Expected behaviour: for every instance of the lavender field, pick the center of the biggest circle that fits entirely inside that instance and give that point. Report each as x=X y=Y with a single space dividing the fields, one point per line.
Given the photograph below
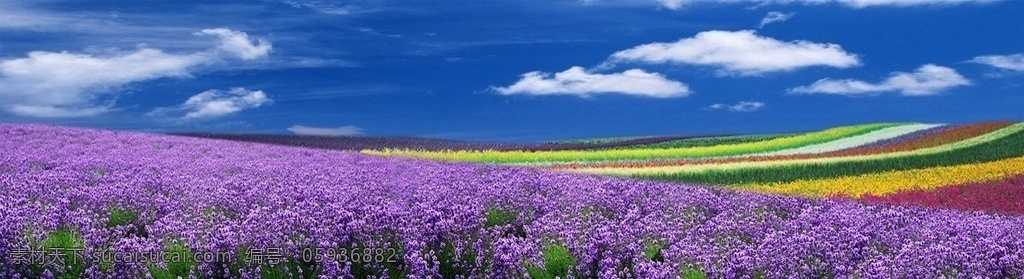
x=526 y=139
x=340 y=214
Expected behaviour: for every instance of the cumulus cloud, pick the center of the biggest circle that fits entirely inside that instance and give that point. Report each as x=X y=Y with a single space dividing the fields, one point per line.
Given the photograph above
x=577 y=81
x=63 y=84
x=1013 y=62
x=314 y=131
x=678 y=4
x=238 y=43
x=929 y=79
x=773 y=17
x=214 y=103
x=744 y=106
x=67 y=84
x=739 y=52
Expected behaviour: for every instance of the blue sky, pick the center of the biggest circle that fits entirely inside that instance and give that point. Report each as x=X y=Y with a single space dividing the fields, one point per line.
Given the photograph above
x=509 y=70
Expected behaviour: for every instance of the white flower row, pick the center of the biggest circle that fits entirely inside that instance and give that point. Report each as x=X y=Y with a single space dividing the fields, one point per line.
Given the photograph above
x=854 y=141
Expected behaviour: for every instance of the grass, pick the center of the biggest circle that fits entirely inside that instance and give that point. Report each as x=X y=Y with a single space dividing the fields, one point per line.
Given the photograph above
x=652 y=251
x=692 y=273
x=558 y=263
x=179 y=260
x=63 y=240
x=499 y=217
x=504 y=219
x=121 y=217
x=456 y=263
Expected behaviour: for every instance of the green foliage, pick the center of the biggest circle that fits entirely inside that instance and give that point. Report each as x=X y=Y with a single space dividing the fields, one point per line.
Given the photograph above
x=558 y=263
x=121 y=217
x=536 y=273
x=453 y=264
x=63 y=240
x=179 y=259
x=692 y=273
x=652 y=251
x=290 y=270
x=499 y=217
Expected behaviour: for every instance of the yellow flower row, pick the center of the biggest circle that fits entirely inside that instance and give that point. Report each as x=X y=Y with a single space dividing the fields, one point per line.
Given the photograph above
x=894 y=181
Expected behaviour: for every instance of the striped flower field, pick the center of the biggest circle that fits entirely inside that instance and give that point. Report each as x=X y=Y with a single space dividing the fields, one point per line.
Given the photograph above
x=890 y=200
x=850 y=161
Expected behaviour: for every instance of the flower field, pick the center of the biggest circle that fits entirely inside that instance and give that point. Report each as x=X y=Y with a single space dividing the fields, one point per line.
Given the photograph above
x=851 y=161
x=995 y=195
x=894 y=200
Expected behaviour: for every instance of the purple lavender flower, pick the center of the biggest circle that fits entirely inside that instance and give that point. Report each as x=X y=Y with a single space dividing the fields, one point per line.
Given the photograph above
x=231 y=198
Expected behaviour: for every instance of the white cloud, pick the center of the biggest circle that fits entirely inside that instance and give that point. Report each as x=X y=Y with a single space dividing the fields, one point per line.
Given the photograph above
x=1013 y=62
x=673 y=4
x=773 y=17
x=577 y=81
x=214 y=103
x=63 y=84
x=67 y=84
x=929 y=79
x=57 y=112
x=740 y=52
x=238 y=43
x=314 y=131
x=744 y=106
